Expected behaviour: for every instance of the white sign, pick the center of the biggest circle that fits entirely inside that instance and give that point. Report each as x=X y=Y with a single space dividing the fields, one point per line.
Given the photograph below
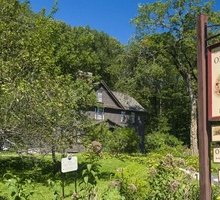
x=69 y=164
x=216 y=153
x=214 y=82
x=215 y=133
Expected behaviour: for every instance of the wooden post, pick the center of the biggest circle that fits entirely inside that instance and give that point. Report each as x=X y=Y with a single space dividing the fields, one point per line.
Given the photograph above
x=204 y=138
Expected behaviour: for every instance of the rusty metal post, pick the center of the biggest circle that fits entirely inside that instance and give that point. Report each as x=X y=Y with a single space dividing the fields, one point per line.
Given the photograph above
x=204 y=148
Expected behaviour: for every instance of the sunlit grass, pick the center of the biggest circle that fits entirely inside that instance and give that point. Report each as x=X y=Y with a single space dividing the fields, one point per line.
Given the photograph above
x=40 y=168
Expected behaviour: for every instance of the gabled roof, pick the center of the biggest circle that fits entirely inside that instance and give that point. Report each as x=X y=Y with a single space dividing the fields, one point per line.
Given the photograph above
x=112 y=95
x=128 y=102
x=124 y=101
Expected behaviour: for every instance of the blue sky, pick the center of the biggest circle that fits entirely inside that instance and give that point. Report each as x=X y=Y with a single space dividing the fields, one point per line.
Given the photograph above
x=111 y=16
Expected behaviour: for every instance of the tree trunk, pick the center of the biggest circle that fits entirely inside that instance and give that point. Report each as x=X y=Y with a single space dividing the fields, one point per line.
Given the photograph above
x=193 y=127
x=53 y=147
x=193 y=118
x=53 y=153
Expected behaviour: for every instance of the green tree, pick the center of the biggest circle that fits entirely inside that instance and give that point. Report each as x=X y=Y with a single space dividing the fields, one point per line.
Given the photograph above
x=109 y=52
x=42 y=96
x=177 y=18
x=81 y=48
x=157 y=85
x=38 y=100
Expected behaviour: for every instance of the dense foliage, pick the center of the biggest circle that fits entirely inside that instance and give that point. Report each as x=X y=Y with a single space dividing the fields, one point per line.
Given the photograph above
x=171 y=27
x=120 y=140
x=41 y=89
x=168 y=182
x=45 y=91
x=153 y=176
x=161 y=141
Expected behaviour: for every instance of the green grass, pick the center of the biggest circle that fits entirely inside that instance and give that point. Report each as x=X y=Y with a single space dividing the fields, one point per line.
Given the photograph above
x=36 y=168
x=40 y=168
x=133 y=169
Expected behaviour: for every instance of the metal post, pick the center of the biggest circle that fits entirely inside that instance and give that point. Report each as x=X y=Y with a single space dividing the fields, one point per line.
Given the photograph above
x=63 y=185
x=204 y=139
x=63 y=177
x=75 y=182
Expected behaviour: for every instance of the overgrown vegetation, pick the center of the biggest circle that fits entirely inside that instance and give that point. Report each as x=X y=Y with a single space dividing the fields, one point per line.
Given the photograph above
x=102 y=176
x=45 y=91
x=159 y=174
x=165 y=171
x=121 y=140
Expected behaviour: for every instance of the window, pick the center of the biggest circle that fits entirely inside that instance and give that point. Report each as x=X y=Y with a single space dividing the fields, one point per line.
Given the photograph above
x=99 y=97
x=139 y=120
x=123 y=117
x=99 y=113
x=132 y=117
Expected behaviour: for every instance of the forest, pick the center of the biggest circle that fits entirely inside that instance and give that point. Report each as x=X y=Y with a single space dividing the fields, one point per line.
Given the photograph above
x=43 y=97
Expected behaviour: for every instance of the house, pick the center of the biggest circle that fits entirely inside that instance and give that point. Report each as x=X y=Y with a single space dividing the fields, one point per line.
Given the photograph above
x=118 y=110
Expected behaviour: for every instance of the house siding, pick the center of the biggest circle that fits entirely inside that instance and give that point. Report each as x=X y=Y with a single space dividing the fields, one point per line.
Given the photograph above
x=107 y=101
x=112 y=104
x=115 y=116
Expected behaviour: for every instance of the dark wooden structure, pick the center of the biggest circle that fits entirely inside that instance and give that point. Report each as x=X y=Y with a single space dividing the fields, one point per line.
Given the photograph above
x=203 y=133
x=118 y=110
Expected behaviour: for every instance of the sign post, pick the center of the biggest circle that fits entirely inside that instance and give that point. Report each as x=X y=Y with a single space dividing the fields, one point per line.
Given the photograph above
x=203 y=136
x=68 y=164
x=214 y=82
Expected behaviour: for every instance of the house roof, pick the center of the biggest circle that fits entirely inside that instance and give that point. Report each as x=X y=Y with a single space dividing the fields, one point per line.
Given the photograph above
x=123 y=100
x=128 y=102
x=112 y=95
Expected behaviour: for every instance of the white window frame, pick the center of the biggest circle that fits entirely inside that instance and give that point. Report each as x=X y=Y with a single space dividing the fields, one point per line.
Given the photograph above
x=99 y=113
x=99 y=96
x=123 y=116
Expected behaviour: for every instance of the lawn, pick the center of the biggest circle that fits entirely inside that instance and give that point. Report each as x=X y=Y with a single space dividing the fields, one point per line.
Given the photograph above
x=109 y=177
x=39 y=169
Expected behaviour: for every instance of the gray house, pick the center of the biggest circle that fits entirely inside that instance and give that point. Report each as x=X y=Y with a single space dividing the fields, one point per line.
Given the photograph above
x=118 y=110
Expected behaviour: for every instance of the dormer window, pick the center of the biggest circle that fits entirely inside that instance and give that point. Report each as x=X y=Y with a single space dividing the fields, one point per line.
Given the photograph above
x=99 y=97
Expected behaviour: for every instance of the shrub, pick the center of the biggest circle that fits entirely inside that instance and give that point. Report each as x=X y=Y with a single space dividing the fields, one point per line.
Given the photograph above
x=3 y=198
x=167 y=181
x=131 y=182
x=215 y=192
x=90 y=174
x=160 y=141
x=98 y=133
x=19 y=187
x=122 y=140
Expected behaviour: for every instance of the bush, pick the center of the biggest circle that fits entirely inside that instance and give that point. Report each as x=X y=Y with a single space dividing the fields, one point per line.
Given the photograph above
x=98 y=133
x=216 y=192
x=160 y=141
x=122 y=140
x=131 y=182
x=19 y=187
x=167 y=181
